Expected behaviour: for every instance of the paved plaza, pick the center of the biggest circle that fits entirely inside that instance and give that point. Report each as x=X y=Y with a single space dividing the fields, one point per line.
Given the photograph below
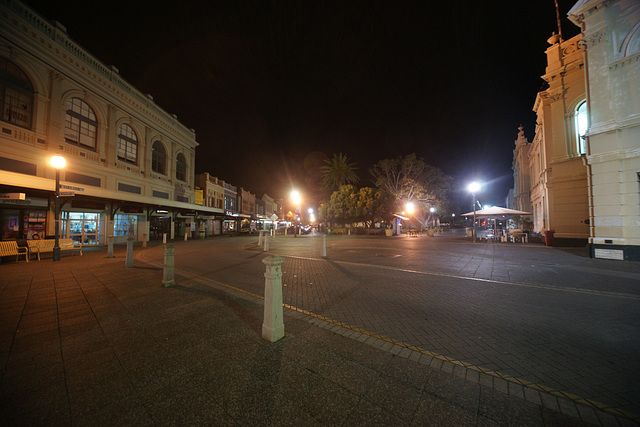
x=383 y=331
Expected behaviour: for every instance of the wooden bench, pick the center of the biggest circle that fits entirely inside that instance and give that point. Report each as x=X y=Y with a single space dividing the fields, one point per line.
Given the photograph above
x=10 y=248
x=42 y=246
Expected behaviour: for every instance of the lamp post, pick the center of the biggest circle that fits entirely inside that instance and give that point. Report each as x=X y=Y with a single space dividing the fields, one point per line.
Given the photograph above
x=297 y=200
x=58 y=162
x=433 y=222
x=473 y=188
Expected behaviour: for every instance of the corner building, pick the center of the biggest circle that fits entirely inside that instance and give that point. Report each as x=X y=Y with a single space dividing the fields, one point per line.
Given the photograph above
x=611 y=34
x=130 y=164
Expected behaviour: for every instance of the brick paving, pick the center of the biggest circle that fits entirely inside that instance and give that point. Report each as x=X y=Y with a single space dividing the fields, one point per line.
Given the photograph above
x=377 y=336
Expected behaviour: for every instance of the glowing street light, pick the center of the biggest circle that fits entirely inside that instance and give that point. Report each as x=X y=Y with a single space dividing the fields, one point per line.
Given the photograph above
x=58 y=162
x=410 y=208
x=296 y=199
x=473 y=188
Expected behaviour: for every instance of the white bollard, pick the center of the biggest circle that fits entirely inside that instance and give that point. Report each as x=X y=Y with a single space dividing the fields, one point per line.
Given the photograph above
x=129 y=262
x=110 y=247
x=266 y=243
x=169 y=263
x=185 y=236
x=324 y=246
x=260 y=238
x=164 y=238
x=273 y=325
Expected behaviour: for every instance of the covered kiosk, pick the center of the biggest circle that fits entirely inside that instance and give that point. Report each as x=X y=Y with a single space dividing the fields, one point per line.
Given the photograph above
x=495 y=213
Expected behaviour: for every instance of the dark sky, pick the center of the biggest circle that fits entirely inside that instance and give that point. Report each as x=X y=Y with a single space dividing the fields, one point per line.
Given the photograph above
x=272 y=87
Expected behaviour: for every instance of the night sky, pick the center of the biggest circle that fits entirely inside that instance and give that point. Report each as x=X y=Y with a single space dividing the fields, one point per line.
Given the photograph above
x=274 y=87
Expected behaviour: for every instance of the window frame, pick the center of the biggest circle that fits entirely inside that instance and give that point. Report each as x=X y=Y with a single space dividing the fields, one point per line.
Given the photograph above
x=159 y=158
x=22 y=88
x=83 y=122
x=181 y=167
x=581 y=118
x=125 y=142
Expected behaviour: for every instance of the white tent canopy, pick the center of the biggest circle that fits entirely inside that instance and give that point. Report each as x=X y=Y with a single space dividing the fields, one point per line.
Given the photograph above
x=496 y=212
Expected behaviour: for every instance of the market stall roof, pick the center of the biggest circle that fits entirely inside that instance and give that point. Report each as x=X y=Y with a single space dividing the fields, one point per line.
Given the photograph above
x=496 y=212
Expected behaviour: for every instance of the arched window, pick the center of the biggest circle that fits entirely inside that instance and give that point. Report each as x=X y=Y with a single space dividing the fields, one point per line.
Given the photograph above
x=127 y=144
x=80 y=125
x=581 y=127
x=16 y=94
x=159 y=158
x=181 y=167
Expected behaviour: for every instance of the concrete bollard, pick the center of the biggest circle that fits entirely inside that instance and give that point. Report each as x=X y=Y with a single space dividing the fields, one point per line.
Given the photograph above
x=110 y=247
x=144 y=240
x=273 y=325
x=185 y=236
x=164 y=238
x=260 y=238
x=266 y=243
x=324 y=246
x=169 y=263
x=129 y=262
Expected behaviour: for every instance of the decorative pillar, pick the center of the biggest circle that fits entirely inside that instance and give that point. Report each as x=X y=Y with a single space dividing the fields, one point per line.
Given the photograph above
x=273 y=326
x=169 y=263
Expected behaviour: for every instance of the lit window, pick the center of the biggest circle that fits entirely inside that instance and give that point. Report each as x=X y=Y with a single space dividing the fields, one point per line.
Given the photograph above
x=80 y=124
x=181 y=168
x=159 y=158
x=127 y=144
x=581 y=127
x=16 y=93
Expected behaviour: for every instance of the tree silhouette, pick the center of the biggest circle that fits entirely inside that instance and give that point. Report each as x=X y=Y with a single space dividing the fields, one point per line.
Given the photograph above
x=337 y=172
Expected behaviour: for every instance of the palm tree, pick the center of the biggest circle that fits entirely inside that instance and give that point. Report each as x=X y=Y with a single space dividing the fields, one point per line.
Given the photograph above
x=337 y=172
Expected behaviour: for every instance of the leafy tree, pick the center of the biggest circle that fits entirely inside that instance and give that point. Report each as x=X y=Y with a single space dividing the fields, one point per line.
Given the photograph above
x=338 y=171
x=349 y=205
x=410 y=179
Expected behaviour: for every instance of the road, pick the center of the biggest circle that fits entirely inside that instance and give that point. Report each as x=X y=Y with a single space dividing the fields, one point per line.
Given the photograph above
x=547 y=316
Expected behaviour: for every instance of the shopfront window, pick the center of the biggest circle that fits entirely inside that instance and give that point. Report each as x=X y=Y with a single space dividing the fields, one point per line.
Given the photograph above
x=10 y=224
x=34 y=224
x=83 y=227
x=124 y=224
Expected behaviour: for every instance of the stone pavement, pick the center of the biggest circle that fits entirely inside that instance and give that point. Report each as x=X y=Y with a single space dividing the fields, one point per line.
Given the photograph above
x=87 y=341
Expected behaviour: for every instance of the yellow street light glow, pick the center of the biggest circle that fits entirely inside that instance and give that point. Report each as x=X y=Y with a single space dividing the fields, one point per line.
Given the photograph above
x=296 y=198
x=58 y=162
x=410 y=208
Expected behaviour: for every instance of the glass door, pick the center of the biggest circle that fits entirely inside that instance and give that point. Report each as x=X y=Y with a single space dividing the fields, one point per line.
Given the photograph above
x=83 y=227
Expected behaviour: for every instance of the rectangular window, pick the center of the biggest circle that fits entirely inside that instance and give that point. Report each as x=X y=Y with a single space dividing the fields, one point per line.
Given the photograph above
x=129 y=188
x=124 y=223
x=160 y=194
x=17 y=108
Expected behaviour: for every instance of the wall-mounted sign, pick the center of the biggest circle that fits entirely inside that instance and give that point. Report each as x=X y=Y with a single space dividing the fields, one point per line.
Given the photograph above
x=132 y=209
x=12 y=196
x=71 y=187
x=199 y=197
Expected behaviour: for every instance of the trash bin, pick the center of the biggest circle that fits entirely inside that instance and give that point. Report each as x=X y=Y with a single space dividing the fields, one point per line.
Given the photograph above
x=548 y=237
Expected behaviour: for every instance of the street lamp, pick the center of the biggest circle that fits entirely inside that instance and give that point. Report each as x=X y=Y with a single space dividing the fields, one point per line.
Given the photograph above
x=297 y=201
x=473 y=188
x=58 y=162
x=433 y=222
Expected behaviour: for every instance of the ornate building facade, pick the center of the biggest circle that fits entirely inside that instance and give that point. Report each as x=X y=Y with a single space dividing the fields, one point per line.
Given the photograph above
x=550 y=178
x=611 y=34
x=129 y=164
